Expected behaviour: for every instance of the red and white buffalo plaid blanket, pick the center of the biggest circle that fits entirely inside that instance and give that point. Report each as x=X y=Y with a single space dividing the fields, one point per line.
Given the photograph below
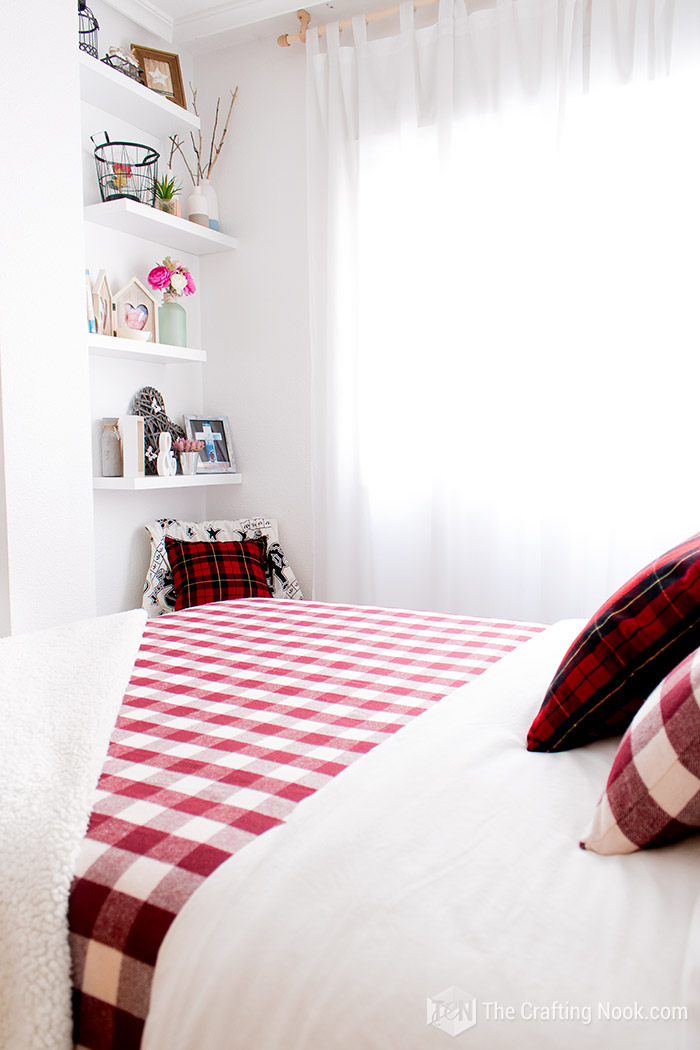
x=235 y=713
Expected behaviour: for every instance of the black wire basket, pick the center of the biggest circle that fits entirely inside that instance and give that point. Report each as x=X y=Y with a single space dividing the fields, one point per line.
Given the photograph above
x=87 y=29
x=121 y=63
x=126 y=170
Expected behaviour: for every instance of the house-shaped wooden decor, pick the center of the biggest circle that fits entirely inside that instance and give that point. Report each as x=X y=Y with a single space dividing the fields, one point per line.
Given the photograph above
x=102 y=304
x=135 y=312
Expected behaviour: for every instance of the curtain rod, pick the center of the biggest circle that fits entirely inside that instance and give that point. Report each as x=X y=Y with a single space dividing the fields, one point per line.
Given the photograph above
x=287 y=39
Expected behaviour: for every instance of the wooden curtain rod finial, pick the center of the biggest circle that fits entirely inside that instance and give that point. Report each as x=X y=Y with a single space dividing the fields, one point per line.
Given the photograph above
x=287 y=39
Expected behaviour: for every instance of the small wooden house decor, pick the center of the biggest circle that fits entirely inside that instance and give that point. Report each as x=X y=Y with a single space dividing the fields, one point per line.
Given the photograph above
x=102 y=304
x=135 y=312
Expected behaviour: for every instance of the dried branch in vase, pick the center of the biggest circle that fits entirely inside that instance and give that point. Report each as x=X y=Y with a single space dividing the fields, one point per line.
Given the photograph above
x=202 y=169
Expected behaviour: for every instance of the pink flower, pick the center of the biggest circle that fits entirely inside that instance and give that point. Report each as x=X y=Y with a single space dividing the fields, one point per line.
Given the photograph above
x=190 y=287
x=159 y=277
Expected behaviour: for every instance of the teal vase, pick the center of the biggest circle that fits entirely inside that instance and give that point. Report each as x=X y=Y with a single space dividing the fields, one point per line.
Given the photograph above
x=172 y=323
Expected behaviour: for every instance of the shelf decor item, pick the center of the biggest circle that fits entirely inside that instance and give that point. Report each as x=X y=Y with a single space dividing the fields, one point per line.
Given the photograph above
x=189 y=454
x=131 y=429
x=149 y=404
x=102 y=304
x=126 y=169
x=197 y=208
x=135 y=312
x=124 y=62
x=203 y=206
x=173 y=280
x=212 y=203
x=87 y=30
x=111 y=448
x=166 y=464
x=166 y=194
x=216 y=456
x=161 y=73
x=91 y=320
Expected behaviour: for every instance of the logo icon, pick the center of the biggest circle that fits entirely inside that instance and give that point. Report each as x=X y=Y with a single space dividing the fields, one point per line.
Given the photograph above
x=452 y=1011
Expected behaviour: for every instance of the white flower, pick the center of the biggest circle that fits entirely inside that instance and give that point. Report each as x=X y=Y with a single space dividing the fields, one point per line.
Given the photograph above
x=178 y=282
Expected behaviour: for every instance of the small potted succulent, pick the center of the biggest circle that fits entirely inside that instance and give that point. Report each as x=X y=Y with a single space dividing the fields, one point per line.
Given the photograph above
x=166 y=194
x=189 y=454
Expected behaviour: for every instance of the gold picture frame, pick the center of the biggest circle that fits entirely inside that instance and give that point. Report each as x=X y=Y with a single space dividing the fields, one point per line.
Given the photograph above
x=161 y=73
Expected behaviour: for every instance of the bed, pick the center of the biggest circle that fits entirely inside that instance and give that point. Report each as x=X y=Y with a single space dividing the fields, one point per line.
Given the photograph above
x=318 y=827
x=235 y=713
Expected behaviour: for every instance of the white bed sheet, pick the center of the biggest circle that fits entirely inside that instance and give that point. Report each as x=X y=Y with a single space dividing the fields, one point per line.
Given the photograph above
x=448 y=857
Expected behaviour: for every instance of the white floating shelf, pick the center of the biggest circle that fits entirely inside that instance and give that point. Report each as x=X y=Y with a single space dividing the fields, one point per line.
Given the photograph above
x=108 y=89
x=141 y=221
x=180 y=481
x=131 y=350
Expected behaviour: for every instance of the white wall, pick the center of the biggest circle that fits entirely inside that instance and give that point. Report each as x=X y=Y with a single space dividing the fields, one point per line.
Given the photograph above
x=46 y=535
x=120 y=541
x=54 y=566
x=252 y=305
x=255 y=301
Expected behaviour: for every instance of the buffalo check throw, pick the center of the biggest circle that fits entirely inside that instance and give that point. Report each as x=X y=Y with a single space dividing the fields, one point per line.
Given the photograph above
x=653 y=792
x=235 y=713
x=641 y=633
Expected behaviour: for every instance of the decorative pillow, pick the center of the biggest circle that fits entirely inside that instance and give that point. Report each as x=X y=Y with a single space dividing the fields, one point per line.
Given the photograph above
x=653 y=791
x=158 y=595
x=216 y=572
x=632 y=642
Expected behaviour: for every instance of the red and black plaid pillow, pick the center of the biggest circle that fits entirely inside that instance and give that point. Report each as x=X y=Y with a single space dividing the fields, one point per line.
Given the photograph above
x=629 y=646
x=216 y=572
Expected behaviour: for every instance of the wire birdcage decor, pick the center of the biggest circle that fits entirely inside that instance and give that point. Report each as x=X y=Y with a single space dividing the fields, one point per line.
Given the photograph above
x=87 y=29
x=126 y=169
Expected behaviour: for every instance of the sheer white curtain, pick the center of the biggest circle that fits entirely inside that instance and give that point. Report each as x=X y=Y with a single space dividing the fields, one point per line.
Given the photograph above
x=504 y=245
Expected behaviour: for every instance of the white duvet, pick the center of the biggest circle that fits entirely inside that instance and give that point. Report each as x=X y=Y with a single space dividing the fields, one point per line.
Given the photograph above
x=445 y=859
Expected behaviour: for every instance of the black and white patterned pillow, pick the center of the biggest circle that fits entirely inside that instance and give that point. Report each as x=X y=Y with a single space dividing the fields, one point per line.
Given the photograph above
x=158 y=596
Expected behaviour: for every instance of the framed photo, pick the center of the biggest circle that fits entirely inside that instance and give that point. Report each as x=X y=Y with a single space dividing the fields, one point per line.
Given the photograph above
x=217 y=455
x=135 y=312
x=102 y=304
x=161 y=73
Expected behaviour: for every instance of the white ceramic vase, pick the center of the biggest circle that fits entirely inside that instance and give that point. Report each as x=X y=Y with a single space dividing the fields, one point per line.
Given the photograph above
x=197 y=207
x=212 y=203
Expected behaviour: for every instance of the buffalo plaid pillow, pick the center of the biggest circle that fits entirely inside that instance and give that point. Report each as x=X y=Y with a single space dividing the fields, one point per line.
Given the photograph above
x=632 y=642
x=215 y=572
x=653 y=791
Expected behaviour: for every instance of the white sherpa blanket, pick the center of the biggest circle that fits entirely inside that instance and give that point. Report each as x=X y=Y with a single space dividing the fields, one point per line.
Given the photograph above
x=60 y=691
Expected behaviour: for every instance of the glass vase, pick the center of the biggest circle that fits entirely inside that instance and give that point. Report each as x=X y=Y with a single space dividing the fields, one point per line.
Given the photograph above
x=172 y=323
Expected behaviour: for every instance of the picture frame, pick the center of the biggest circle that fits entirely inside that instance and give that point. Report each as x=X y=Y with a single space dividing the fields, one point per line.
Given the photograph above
x=135 y=312
x=217 y=455
x=102 y=304
x=161 y=73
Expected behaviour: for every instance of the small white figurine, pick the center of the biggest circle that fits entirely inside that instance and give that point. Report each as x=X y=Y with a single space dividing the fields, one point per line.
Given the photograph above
x=166 y=464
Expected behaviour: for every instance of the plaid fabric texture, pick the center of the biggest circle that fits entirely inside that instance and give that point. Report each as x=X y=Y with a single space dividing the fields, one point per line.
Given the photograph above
x=217 y=572
x=653 y=791
x=632 y=642
x=235 y=712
